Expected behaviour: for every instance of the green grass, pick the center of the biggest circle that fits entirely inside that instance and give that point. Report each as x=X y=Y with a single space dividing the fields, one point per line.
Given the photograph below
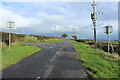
x=98 y=64
x=0 y=57
x=32 y=41
x=112 y=42
x=115 y=42
x=16 y=53
x=53 y=41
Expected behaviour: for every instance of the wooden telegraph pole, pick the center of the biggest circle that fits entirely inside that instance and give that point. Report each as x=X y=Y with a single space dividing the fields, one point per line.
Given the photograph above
x=94 y=19
x=54 y=31
x=10 y=26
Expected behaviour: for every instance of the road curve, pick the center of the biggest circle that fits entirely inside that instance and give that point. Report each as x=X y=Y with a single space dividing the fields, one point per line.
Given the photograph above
x=53 y=61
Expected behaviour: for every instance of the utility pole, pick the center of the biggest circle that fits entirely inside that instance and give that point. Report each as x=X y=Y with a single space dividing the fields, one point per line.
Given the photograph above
x=74 y=31
x=54 y=31
x=94 y=19
x=10 y=26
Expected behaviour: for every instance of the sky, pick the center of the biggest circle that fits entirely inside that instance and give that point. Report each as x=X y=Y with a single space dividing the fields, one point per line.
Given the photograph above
x=57 y=18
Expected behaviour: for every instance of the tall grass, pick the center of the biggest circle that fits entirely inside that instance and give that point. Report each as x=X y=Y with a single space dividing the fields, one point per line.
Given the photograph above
x=98 y=64
x=31 y=39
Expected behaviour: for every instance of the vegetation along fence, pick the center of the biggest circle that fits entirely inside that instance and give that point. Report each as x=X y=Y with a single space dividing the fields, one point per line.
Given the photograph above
x=103 y=46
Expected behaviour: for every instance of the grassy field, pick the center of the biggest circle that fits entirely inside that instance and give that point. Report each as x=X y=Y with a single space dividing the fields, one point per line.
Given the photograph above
x=16 y=53
x=112 y=42
x=98 y=64
x=53 y=41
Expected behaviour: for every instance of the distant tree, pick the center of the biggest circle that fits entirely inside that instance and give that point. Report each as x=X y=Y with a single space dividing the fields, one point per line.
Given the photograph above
x=75 y=37
x=64 y=35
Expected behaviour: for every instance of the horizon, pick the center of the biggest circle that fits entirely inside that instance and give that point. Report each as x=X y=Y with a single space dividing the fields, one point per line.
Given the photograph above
x=69 y=37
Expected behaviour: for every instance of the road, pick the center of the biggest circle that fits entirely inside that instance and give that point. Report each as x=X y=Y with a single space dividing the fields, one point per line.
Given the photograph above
x=53 y=61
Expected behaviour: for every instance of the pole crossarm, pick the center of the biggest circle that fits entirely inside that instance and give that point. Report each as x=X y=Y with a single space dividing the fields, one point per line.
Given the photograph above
x=10 y=27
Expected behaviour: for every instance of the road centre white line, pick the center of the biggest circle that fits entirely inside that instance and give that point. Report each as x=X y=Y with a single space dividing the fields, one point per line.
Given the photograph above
x=54 y=57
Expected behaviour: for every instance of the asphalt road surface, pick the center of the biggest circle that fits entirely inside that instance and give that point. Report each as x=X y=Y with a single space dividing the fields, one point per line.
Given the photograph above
x=53 y=61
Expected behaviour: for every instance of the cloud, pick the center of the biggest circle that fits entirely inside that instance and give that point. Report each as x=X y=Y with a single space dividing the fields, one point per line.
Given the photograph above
x=56 y=19
x=59 y=0
x=71 y=18
x=19 y=20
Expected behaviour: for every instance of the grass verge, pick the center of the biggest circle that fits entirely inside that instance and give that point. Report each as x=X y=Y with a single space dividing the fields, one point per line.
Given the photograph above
x=16 y=53
x=98 y=64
